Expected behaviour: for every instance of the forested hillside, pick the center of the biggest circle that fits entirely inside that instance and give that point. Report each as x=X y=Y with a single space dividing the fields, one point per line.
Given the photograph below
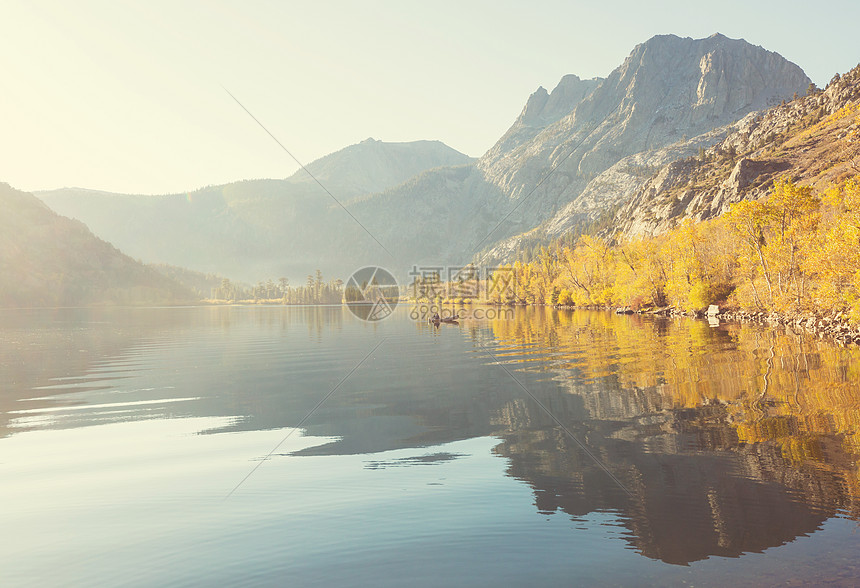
x=50 y=260
x=795 y=249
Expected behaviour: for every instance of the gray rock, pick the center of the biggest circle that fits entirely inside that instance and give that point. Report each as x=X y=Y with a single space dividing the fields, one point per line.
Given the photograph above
x=635 y=122
x=654 y=208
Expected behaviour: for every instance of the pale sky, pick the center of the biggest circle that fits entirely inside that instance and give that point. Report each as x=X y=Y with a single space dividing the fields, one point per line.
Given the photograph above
x=129 y=96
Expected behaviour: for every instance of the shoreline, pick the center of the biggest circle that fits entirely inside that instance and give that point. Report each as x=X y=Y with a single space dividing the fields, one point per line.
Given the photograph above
x=835 y=326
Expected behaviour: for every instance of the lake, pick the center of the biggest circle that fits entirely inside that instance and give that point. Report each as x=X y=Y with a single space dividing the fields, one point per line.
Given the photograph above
x=303 y=446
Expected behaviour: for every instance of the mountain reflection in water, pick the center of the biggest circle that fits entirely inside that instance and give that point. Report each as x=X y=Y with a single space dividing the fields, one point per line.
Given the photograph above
x=730 y=440
x=726 y=440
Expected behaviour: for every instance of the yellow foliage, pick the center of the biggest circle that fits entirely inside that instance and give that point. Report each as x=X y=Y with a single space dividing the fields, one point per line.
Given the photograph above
x=794 y=403
x=844 y=112
x=564 y=297
x=791 y=251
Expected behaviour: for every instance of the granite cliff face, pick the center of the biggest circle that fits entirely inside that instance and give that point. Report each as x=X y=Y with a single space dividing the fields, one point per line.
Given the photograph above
x=814 y=139
x=670 y=97
x=667 y=89
x=541 y=110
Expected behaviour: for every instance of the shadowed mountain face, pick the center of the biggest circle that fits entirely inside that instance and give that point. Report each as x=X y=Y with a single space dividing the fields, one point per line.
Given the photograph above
x=50 y=260
x=600 y=139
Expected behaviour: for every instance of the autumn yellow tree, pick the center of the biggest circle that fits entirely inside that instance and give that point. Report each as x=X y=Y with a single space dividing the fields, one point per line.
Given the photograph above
x=588 y=271
x=640 y=272
x=795 y=212
x=779 y=234
x=748 y=220
x=695 y=278
x=835 y=257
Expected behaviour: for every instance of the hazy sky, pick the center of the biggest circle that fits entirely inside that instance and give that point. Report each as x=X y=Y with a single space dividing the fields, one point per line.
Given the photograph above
x=129 y=96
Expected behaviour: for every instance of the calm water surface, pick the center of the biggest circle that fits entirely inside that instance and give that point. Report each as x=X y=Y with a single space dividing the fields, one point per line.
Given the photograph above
x=174 y=447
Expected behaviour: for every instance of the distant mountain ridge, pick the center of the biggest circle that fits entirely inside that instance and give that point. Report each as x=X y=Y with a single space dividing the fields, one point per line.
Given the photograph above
x=254 y=228
x=572 y=154
x=670 y=97
x=373 y=166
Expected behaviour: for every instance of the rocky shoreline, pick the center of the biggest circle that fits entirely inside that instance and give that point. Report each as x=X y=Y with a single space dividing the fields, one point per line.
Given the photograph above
x=835 y=326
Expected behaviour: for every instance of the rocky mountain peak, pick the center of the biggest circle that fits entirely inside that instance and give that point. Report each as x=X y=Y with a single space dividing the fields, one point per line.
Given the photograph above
x=813 y=138
x=531 y=114
x=373 y=165
x=668 y=89
x=671 y=97
x=673 y=86
x=543 y=109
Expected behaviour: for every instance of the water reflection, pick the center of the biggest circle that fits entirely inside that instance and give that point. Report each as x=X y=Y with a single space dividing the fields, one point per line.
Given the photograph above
x=730 y=439
x=727 y=440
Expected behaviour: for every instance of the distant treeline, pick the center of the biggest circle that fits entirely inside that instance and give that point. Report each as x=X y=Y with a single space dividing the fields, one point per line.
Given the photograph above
x=314 y=291
x=200 y=283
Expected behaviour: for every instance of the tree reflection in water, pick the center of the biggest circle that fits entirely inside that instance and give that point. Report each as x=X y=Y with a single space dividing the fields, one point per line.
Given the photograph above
x=730 y=439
